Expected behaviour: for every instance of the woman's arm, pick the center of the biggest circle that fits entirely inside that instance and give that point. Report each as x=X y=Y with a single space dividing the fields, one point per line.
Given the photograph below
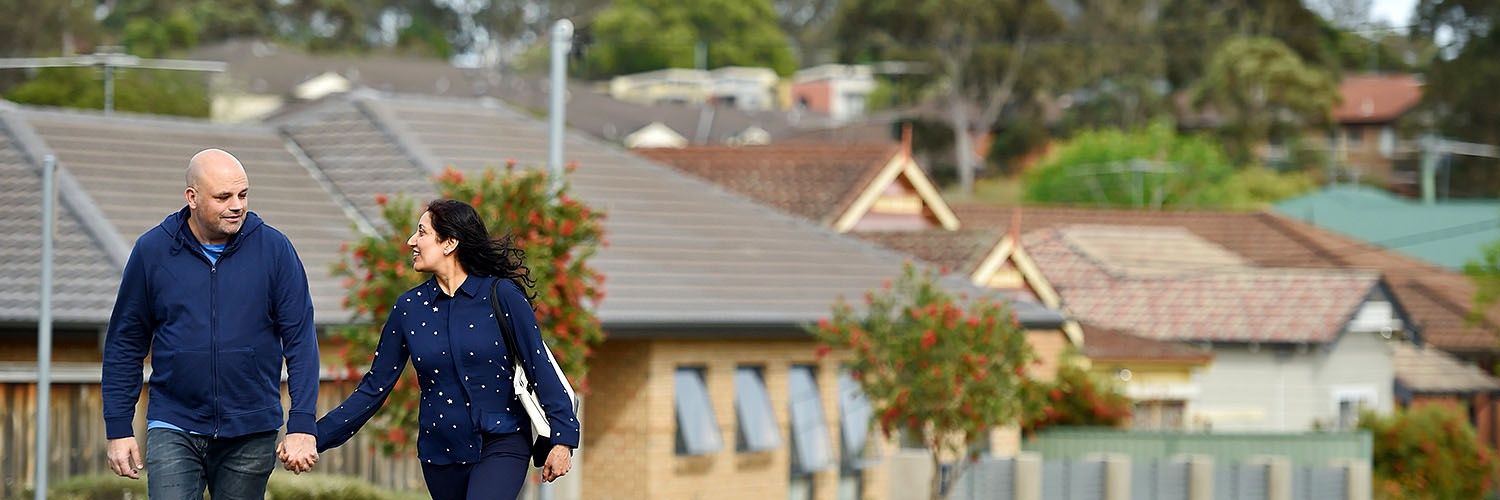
x=549 y=388
x=390 y=360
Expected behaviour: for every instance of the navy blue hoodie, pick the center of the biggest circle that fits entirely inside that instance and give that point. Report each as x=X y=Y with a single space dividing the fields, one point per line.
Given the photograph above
x=217 y=334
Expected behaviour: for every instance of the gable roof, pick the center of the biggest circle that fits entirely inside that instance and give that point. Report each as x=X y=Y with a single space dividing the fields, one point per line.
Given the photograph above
x=84 y=277
x=131 y=167
x=1446 y=234
x=1218 y=304
x=1112 y=346
x=821 y=182
x=1436 y=299
x=1377 y=98
x=682 y=252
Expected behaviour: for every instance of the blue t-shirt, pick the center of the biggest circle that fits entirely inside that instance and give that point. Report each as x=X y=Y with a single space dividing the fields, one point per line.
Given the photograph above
x=212 y=252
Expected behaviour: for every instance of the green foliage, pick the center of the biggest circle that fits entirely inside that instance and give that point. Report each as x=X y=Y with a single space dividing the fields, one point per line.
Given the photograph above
x=1428 y=452
x=1153 y=167
x=642 y=35
x=1076 y=397
x=147 y=37
x=139 y=91
x=1485 y=275
x=1256 y=187
x=930 y=366
x=1262 y=90
x=330 y=487
x=98 y=487
x=558 y=234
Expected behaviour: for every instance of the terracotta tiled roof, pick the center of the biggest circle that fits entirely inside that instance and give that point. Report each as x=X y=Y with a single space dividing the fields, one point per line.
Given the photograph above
x=1232 y=304
x=1377 y=98
x=809 y=180
x=1107 y=345
x=1435 y=299
x=1430 y=371
x=959 y=251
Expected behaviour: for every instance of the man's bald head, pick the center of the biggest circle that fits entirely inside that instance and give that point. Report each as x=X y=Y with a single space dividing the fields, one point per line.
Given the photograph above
x=217 y=195
x=211 y=162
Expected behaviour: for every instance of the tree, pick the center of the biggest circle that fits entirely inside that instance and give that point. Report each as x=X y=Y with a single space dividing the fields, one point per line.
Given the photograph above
x=1153 y=167
x=558 y=234
x=1076 y=397
x=1262 y=90
x=929 y=364
x=642 y=35
x=978 y=49
x=1459 y=94
x=1428 y=452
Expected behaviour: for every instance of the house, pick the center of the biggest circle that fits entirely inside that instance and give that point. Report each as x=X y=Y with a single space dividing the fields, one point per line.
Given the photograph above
x=835 y=90
x=708 y=295
x=708 y=292
x=1430 y=376
x=1294 y=349
x=1367 y=140
x=1446 y=234
x=750 y=89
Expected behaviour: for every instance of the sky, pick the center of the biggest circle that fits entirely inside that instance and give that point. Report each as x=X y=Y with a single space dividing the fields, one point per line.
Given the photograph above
x=1393 y=12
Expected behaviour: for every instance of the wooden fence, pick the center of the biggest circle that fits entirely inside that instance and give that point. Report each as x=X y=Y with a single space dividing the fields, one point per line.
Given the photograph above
x=77 y=443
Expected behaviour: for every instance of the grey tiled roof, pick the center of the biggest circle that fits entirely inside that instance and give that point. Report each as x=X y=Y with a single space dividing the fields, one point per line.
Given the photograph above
x=84 y=279
x=681 y=251
x=132 y=168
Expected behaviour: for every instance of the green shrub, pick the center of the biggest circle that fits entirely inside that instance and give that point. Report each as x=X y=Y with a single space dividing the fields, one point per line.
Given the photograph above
x=1429 y=451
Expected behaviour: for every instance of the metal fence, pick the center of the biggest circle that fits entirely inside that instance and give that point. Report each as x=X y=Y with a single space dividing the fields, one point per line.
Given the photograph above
x=1266 y=478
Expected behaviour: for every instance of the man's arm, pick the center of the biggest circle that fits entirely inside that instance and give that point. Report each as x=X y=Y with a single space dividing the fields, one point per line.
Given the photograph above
x=293 y=313
x=126 y=343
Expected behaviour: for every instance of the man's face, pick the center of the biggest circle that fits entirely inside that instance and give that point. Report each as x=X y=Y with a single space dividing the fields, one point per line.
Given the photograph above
x=219 y=201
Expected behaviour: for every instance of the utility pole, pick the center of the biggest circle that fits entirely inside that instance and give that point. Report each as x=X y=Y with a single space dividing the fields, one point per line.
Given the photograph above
x=562 y=43
x=1435 y=148
x=108 y=59
x=44 y=330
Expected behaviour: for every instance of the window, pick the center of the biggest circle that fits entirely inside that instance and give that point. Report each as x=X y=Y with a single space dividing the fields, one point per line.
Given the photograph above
x=1158 y=415
x=1387 y=141
x=811 y=450
x=1348 y=400
x=757 y=429
x=1355 y=135
x=697 y=429
x=854 y=422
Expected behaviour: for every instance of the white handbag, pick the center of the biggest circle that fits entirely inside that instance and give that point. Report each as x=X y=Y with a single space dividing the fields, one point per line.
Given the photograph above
x=524 y=386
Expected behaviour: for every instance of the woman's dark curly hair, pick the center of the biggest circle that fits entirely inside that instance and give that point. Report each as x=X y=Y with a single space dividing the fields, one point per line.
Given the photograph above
x=477 y=253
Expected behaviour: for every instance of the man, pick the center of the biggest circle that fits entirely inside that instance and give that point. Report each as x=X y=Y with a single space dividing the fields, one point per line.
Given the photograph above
x=218 y=298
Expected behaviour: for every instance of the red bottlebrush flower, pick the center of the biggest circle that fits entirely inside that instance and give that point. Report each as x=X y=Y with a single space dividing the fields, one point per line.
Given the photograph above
x=359 y=253
x=869 y=298
x=364 y=293
x=973 y=322
x=1055 y=395
x=822 y=351
x=570 y=167
x=916 y=313
x=398 y=435
x=567 y=228
x=476 y=200
x=510 y=163
x=950 y=323
x=1020 y=371
x=937 y=371
x=944 y=270
x=885 y=284
x=381 y=199
x=824 y=325
x=928 y=339
x=1014 y=321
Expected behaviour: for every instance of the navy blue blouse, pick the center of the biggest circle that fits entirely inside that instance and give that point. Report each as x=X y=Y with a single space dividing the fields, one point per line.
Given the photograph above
x=463 y=369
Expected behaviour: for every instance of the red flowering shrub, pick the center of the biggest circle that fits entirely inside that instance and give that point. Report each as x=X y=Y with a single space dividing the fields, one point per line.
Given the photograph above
x=558 y=234
x=1076 y=398
x=1429 y=451
x=942 y=369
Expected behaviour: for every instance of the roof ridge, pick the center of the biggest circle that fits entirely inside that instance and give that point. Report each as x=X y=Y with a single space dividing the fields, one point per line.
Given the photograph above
x=96 y=116
x=72 y=195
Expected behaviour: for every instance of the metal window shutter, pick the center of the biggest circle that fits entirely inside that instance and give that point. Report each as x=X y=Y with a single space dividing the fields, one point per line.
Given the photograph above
x=697 y=428
x=812 y=449
x=757 y=425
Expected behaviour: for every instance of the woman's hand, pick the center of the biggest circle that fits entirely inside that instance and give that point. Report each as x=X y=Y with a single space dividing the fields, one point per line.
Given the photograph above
x=559 y=462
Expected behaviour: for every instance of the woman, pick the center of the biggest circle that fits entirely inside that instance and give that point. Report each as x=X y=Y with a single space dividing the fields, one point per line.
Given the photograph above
x=475 y=437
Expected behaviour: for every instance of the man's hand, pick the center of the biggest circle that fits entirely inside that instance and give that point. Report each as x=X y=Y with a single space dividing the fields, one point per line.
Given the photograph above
x=299 y=452
x=559 y=462
x=125 y=457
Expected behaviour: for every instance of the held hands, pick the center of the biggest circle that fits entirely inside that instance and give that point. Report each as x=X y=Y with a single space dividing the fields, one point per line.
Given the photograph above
x=298 y=452
x=125 y=457
x=559 y=462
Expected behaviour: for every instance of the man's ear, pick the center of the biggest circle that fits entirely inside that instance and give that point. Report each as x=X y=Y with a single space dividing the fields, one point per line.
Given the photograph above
x=192 y=198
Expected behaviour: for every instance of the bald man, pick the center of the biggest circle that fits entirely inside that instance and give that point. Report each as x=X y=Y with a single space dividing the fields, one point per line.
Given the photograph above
x=218 y=299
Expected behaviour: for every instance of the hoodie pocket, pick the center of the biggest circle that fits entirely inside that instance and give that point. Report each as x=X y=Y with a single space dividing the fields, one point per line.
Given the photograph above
x=243 y=388
x=183 y=378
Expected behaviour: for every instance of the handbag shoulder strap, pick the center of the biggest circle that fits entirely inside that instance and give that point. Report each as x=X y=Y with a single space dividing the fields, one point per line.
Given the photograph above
x=510 y=336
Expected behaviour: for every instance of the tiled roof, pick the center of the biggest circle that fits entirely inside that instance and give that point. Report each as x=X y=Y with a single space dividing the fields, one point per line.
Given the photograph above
x=1436 y=299
x=1223 y=305
x=132 y=167
x=1377 y=98
x=681 y=251
x=84 y=279
x=960 y=251
x=1105 y=345
x=813 y=181
x=1422 y=370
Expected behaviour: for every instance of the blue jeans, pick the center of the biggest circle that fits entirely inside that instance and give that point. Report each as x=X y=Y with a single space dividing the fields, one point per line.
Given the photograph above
x=180 y=465
x=500 y=473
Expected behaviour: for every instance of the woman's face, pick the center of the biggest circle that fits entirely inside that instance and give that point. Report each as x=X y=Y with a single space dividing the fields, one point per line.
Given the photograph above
x=427 y=252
